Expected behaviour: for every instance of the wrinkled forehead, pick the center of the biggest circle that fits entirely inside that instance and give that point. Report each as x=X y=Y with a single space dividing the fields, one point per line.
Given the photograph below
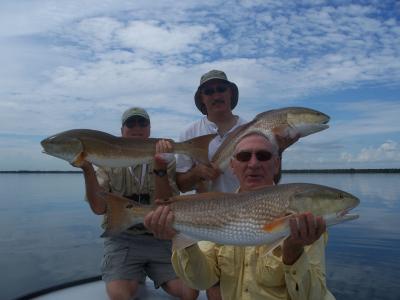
x=255 y=141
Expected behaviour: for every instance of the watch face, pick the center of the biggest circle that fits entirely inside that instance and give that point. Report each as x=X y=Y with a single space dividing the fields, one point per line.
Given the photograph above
x=160 y=173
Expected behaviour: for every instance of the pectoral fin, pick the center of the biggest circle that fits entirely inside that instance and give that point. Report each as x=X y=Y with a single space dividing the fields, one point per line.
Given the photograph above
x=79 y=159
x=277 y=224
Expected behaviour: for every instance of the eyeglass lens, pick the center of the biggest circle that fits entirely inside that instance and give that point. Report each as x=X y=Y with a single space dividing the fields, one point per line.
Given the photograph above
x=141 y=122
x=261 y=155
x=217 y=89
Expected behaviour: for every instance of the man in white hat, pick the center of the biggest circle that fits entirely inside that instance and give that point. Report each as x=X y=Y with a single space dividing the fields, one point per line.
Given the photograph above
x=215 y=97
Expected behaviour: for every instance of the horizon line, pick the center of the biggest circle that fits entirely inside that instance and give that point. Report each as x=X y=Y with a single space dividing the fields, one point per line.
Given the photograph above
x=347 y=170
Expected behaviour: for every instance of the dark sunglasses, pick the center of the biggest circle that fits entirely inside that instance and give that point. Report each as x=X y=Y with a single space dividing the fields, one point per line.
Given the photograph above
x=218 y=89
x=141 y=122
x=261 y=155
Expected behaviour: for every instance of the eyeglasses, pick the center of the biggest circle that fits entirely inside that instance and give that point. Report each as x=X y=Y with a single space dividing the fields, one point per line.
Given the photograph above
x=218 y=89
x=141 y=122
x=261 y=155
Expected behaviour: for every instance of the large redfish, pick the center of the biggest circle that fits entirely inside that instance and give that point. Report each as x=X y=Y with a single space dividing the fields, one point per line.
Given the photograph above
x=249 y=218
x=107 y=150
x=288 y=123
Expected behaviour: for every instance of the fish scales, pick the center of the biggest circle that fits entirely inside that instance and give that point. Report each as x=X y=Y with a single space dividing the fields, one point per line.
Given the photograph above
x=106 y=150
x=231 y=217
x=287 y=122
x=249 y=218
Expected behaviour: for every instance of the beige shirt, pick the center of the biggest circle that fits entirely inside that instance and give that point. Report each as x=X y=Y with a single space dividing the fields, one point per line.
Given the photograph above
x=249 y=273
x=133 y=180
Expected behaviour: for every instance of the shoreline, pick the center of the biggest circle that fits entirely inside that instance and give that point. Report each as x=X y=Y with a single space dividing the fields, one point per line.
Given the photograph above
x=294 y=171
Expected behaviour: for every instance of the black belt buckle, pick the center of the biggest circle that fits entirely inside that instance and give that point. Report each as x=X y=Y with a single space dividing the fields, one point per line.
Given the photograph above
x=140 y=198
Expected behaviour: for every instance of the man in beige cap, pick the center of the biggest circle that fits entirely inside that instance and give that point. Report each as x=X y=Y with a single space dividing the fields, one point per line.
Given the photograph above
x=134 y=254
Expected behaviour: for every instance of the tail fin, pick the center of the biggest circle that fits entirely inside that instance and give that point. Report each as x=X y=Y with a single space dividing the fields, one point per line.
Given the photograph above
x=122 y=213
x=196 y=148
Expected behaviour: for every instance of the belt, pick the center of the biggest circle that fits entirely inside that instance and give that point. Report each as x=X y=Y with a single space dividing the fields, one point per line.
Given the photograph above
x=140 y=198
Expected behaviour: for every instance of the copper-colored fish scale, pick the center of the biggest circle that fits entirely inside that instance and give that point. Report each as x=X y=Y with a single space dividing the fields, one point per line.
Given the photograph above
x=104 y=149
x=262 y=123
x=229 y=216
x=248 y=218
x=272 y=121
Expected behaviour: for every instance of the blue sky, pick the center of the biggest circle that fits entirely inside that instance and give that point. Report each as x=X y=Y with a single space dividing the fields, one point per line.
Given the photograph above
x=80 y=64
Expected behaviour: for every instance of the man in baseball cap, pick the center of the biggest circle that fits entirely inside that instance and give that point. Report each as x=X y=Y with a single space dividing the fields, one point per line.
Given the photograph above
x=135 y=123
x=135 y=253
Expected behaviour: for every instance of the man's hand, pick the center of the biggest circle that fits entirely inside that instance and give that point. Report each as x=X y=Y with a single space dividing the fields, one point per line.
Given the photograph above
x=159 y=222
x=83 y=164
x=163 y=154
x=206 y=172
x=285 y=141
x=305 y=229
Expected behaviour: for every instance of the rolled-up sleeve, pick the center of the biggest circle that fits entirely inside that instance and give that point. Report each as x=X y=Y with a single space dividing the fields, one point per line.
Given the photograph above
x=306 y=278
x=197 y=267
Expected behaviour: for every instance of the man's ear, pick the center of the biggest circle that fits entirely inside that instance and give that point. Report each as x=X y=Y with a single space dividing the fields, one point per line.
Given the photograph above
x=278 y=169
x=231 y=165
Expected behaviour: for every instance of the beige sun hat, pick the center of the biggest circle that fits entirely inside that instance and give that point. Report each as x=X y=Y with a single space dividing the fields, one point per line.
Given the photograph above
x=215 y=74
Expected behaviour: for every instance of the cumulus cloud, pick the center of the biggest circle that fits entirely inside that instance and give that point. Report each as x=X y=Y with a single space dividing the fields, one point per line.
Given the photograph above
x=388 y=151
x=154 y=36
x=81 y=63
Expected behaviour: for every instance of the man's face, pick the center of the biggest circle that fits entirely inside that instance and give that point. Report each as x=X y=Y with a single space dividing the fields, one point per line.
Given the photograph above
x=216 y=95
x=136 y=127
x=255 y=162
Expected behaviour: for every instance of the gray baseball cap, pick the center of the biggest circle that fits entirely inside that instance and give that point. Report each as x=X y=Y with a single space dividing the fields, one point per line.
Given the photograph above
x=134 y=112
x=215 y=74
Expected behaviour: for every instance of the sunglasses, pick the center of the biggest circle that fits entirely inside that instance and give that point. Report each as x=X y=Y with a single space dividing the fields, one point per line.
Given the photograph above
x=218 y=89
x=245 y=156
x=141 y=122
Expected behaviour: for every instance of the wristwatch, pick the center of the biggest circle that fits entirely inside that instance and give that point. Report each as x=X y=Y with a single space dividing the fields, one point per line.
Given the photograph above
x=160 y=173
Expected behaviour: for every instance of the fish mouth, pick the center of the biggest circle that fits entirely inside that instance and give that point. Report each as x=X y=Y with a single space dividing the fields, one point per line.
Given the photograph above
x=326 y=120
x=344 y=215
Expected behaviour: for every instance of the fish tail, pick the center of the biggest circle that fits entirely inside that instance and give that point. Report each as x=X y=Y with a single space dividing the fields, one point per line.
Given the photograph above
x=122 y=213
x=196 y=147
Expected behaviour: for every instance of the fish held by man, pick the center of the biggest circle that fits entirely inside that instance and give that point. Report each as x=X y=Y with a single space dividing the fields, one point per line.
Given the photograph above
x=258 y=217
x=107 y=150
x=287 y=123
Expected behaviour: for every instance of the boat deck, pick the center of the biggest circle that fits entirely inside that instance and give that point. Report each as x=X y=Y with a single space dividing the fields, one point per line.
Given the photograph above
x=94 y=288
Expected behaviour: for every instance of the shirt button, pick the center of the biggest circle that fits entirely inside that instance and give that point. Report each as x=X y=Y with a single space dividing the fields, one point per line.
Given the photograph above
x=246 y=264
x=246 y=290
x=294 y=272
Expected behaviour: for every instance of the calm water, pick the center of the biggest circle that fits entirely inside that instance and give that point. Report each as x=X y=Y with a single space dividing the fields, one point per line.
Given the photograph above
x=49 y=236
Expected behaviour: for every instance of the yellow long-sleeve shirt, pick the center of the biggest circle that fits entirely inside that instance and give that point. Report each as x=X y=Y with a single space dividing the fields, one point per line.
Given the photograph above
x=248 y=273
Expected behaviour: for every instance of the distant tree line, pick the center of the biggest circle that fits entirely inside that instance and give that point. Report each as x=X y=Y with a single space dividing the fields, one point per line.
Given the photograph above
x=351 y=170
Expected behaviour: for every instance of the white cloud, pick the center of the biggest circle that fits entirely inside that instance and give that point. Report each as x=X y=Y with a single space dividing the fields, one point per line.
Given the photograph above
x=388 y=151
x=167 y=39
x=81 y=63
